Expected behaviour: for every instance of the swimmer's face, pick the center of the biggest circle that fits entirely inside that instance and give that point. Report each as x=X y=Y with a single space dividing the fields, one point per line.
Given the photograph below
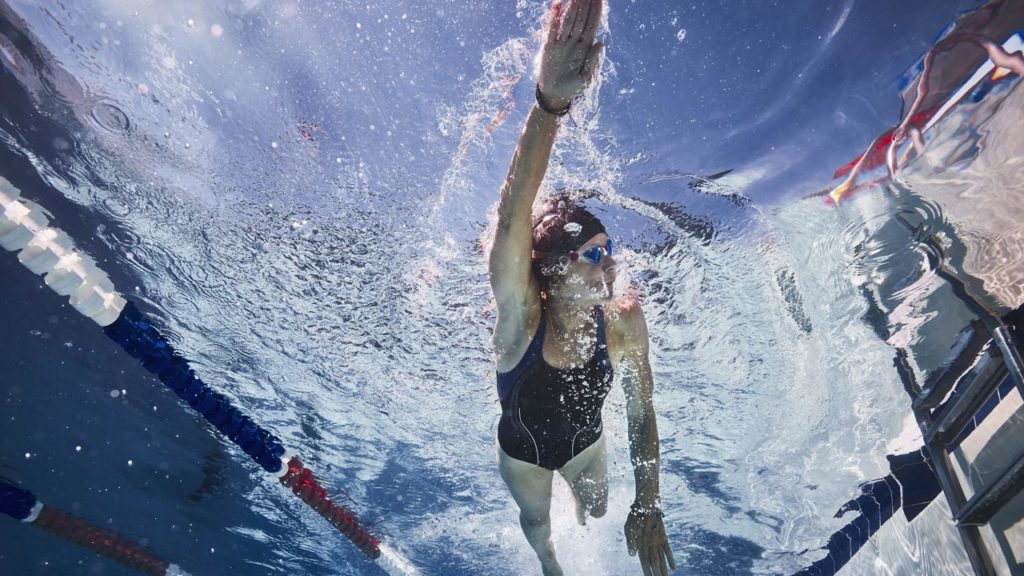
x=588 y=284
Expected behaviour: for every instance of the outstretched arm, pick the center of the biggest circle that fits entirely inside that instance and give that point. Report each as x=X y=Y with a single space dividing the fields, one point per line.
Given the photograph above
x=568 y=61
x=645 y=529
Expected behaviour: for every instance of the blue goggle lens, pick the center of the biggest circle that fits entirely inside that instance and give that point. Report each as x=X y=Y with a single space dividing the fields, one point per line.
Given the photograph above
x=594 y=254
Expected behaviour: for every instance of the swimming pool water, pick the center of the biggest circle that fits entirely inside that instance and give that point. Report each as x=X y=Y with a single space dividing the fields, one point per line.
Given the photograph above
x=300 y=194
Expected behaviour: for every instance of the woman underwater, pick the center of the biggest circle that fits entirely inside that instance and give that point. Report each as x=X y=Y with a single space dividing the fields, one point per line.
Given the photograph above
x=561 y=333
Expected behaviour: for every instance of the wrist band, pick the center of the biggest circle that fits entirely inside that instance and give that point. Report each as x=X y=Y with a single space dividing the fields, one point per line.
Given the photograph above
x=642 y=511
x=548 y=109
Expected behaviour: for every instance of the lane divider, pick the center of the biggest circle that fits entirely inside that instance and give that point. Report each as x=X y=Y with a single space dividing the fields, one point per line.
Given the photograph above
x=48 y=251
x=23 y=505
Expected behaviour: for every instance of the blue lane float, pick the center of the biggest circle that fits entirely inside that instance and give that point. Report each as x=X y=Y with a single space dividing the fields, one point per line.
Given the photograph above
x=16 y=502
x=142 y=341
x=911 y=485
x=48 y=251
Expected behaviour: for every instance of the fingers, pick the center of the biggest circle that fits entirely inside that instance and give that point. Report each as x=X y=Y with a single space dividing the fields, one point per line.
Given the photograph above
x=582 y=18
x=593 y=61
x=662 y=563
x=646 y=561
x=581 y=9
x=593 y=21
x=652 y=562
x=568 y=14
x=555 y=21
x=651 y=543
x=574 y=20
x=656 y=560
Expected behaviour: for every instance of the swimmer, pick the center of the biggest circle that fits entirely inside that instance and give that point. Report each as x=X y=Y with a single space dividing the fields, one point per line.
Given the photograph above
x=561 y=332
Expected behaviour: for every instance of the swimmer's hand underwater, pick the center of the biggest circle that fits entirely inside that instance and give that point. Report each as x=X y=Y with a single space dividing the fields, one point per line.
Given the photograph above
x=645 y=533
x=570 y=55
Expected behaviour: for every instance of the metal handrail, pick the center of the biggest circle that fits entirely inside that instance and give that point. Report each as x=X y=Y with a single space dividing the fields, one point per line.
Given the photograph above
x=980 y=509
x=954 y=417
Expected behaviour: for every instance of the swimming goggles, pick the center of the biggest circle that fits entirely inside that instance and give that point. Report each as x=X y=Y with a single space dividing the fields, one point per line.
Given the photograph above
x=593 y=254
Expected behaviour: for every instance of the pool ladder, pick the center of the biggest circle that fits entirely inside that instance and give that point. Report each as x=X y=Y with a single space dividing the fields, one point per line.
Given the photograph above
x=984 y=369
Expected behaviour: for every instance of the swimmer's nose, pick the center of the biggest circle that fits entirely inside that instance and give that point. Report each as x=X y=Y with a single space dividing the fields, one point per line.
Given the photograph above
x=610 y=267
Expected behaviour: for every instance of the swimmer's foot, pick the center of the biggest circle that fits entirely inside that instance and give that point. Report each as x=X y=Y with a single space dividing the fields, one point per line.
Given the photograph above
x=581 y=514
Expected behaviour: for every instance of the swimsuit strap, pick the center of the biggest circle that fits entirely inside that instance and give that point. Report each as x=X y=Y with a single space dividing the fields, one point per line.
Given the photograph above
x=602 y=342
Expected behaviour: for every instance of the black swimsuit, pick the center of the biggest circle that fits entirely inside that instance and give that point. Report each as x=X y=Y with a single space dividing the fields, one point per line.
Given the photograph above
x=550 y=415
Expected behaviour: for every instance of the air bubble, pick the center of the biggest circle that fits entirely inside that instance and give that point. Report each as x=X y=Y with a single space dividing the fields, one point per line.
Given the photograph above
x=110 y=118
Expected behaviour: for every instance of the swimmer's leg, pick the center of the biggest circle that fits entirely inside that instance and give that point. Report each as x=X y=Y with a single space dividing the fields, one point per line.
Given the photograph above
x=530 y=486
x=587 y=476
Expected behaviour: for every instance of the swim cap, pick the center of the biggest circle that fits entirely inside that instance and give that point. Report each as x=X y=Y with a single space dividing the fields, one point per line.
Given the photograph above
x=563 y=227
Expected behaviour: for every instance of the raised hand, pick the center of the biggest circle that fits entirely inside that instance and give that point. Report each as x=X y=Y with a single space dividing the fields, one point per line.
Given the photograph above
x=570 y=55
